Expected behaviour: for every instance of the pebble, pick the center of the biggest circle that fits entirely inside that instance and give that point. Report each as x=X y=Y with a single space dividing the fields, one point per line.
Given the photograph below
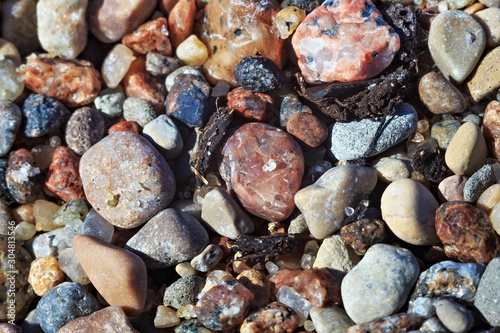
x=489 y=198
x=275 y=317
x=340 y=28
x=459 y=4
x=307 y=128
x=456 y=42
x=233 y=30
x=352 y=140
x=71 y=266
x=138 y=110
x=432 y=325
x=192 y=51
x=42 y=115
x=259 y=74
x=62 y=28
x=207 y=259
x=126 y=180
x=390 y=169
x=71 y=210
x=22 y=177
x=478 y=183
x=491 y=128
x=9 y=328
x=452 y=188
x=84 y=128
x=250 y=105
x=454 y=316
x=324 y=203
x=50 y=243
x=444 y=131
x=485 y=80
x=10 y=87
x=336 y=255
x=95 y=225
x=110 y=102
x=171 y=78
x=466 y=232
x=181 y=21
x=170 y=237
x=400 y=322
x=19 y=24
x=467 y=150
x=119 y=275
x=183 y=291
x=379 y=285
x=62 y=79
x=62 y=304
x=257 y=282
x=125 y=126
x=440 y=95
x=487 y=299
x=116 y=64
x=109 y=20
x=166 y=317
x=264 y=166
x=330 y=319
x=152 y=36
x=161 y=65
x=192 y=325
x=108 y=320
x=9 y=51
x=5 y=218
x=490 y=20
x=362 y=234
x=188 y=99
x=288 y=19
x=45 y=274
x=289 y=106
x=10 y=121
x=490 y=3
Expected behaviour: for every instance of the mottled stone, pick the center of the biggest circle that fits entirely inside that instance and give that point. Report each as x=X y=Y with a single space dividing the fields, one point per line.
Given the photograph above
x=400 y=322
x=125 y=126
x=267 y=188
x=444 y=131
x=491 y=128
x=110 y=20
x=62 y=28
x=171 y=78
x=192 y=51
x=488 y=293
x=289 y=106
x=165 y=136
x=250 y=105
x=452 y=188
x=275 y=317
x=19 y=24
x=466 y=232
x=169 y=238
x=307 y=128
x=152 y=36
x=379 y=285
x=166 y=317
x=62 y=304
x=183 y=291
x=42 y=115
x=45 y=274
x=339 y=28
x=207 y=259
x=257 y=282
x=440 y=95
x=259 y=74
x=10 y=121
x=110 y=102
x=288 y=19
x=50 y=243
x=234 y=29
x=70 y=211
x=84 y=129
x=490 y=20
x=10 y=328
x=181 y=21
x=23 y=177
x=116 y=65
x=108 y=320
x=73 y=82
x=119 y=275
x=330 y=319
x=454 y=316
x=336 y=255
x=324 y=203
x=138 y=110
x=352 y=140
x=478 y=183
x=161 y=65
x=485 y=80
x=362 y=234
x=44 y=212
x=126 y=180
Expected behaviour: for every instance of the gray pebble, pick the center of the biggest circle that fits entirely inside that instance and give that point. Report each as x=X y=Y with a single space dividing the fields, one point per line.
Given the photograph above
x=84 y=129
x=138 y=110
x=161 y=65
x=110 y=102
x=31 y=324
x=10 y=120
x=479 y=182
x=433 y=325
x=207 y=259
x=165 y=136
x=454 y=316
x=472 y=118
x=183 y=291
x=350 y=141
x=488 y=293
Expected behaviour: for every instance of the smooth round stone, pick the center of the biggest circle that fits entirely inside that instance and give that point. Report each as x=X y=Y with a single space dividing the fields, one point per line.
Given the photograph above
x=62 y=28
x=408 y=208
x=352 y=140
x=110 y=102
x=485 y=80
x=489 y=198
x=103 y=321
x=452 y=188
x=467 y=150
x=478 y=183
x=440 y=95
x=490 y=20
x=444 y=131
x=165 y=136
x=126 y=180
x=118 y=275
x=390 y=169
x=325 y=202
x=42 y=115
x=183 y=291
x=10 y=121
x=380 y=284
x=456 y=42
x=454 y=316
x=330 y=319
x=169 y=238
x=62 y=304
x=264 y=166
x=488 y=293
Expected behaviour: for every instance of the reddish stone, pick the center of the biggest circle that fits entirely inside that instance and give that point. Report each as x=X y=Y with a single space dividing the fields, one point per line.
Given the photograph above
x=452 y=188
x=150 y=37
x=275 y=317
x=223 y=243
x=73 y=82
x=181 y=21
x=466 y=232
x=125 y=126
x=344 y=41
x=63 y=177
x=317 y=285
x=166 y=6
x=23 y=177
x=397 y=323
x=248 y=104
x=491 y=128
x=111 y=319
x=139 y=83
x=264 y=166
x=224 y=306
x=362 y=234
x=307 y=128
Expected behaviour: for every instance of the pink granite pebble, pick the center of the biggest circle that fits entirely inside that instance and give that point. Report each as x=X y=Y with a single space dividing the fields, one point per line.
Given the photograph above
x=452 y=188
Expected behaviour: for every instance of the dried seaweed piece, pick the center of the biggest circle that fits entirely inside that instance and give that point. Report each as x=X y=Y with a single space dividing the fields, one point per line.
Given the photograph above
x=210 y=139
x=430 y=163
x=268 y=246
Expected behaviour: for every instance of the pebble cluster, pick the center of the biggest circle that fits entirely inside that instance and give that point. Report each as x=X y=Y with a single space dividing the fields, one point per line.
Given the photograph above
x=184 y=166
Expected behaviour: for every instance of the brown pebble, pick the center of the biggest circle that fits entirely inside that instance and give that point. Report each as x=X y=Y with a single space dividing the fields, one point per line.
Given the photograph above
x=166 y=6
x=111 y=319
x=440 y=95
x=63 y=177
x=474 y=8
x=257 y=282
x=124 y=126
x=152 y=36
x=307 y=128
x=362 y=234
x=181 y=21
x=248 y=104
x=491 y=128
x=9 y=328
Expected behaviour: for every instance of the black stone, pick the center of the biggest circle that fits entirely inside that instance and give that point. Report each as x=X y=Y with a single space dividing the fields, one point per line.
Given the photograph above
x=258 y=74
x=42 y=115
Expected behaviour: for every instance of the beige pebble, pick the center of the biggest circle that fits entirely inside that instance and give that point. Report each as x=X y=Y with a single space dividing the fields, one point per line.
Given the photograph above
x=490 y=20
x=337 y=256
x=330 y=319
x=185 y=269
x=44 y=211
x=485 y=80
x=489 y=198
x=390 y=169
x=166 y=317
x=23 y=213
x=192 y=51
x=45 y=274
x=495 y=218
x=9 y=51
x=440 y=95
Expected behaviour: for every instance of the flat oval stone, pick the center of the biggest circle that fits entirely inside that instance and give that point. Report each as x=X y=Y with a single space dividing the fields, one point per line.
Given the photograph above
x=126 y=179
x=264 y=166
x=63 y=177
x=10 y=121
x=169 y=238
x=456 y=42
x=408 y=208
x=344 y=41
x=440 y=95
x=379 y=285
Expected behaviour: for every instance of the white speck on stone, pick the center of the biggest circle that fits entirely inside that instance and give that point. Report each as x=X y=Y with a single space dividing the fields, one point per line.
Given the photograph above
x=25 y=171
x=269 y=166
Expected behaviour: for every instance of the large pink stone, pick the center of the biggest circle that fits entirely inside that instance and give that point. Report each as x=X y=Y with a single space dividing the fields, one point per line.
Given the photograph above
x=264 y=166
x=344 y=40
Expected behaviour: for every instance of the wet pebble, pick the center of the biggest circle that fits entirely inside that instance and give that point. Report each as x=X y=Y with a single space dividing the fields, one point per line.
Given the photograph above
x=478 y=183
x=307 y=128
x=116 y=64
x=50 y=243
x=183 y=291
x=84 y=129
x=138 y=110
x=181 y=21
x=152 y=36
x=489 y=198
x=390 y=169
x=440 y=95
x=259 y=74
x=10 y=121
x=171 y=78
x=23 y=177
x=42 y=115
x=165 y=136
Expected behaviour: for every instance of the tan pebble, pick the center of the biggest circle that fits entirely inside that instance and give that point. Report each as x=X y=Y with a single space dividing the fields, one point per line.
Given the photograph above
x=495 y=218
x=491 y=128
x=489 y=198
x=166 y=317
x=490 y=20
x=440 y=95
x=474 y=8
x=485 y=80
x=337 y=256
x=330 y=319
x=9 y=51
x=45 y=274
x=192 y=51
x=390 y=169
x=44 y=211
x=23 y=213
x=257 y=282
x=185 y=269
x=288 y=19
x=181 y=21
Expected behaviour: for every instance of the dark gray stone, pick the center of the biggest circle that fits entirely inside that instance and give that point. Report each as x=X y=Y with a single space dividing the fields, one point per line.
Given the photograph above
x=259 y=74
x=183 y=291
x=479 y=182
x=42 y=115
x=10 y=121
